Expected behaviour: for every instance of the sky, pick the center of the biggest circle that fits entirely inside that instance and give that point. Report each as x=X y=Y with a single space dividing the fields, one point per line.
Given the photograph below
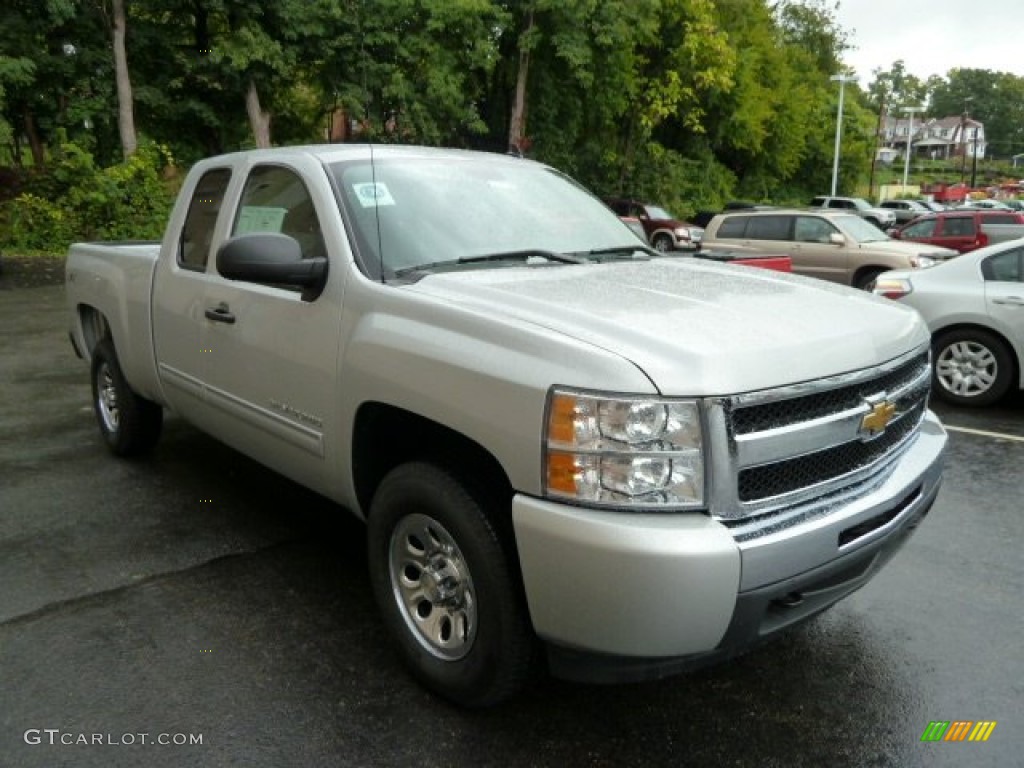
x=933 y=36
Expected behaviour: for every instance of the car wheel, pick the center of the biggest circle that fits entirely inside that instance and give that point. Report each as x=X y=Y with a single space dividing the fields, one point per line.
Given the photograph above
x=130 y=424
x=446 y=587
x=662 y=243
x=972 y=367
x=866 y=280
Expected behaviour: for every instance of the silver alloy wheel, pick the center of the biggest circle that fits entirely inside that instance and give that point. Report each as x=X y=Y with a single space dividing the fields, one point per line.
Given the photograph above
x=966 y=368
x=106 y=398
x=433 y=587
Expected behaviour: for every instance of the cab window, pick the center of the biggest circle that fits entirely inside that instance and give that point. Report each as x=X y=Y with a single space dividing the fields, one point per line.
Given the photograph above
x=275 y=199
x=810 y=229
x=924 y=228
x=203 y=209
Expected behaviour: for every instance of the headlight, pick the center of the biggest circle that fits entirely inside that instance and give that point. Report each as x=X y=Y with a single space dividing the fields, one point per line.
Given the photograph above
x=682 y=233
x=920 y=262
x=622 y=451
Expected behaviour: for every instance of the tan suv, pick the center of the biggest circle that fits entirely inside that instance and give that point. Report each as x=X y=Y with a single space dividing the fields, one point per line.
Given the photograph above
x=836 y=246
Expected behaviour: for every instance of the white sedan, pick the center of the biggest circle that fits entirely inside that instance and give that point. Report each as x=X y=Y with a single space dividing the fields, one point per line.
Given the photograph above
x=974 y=307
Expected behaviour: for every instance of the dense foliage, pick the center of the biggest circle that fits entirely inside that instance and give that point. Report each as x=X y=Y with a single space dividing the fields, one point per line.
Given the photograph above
x=687 y=102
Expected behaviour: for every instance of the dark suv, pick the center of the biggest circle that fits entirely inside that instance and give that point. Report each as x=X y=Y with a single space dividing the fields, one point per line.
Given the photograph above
x=664 y=231
x=960 y=230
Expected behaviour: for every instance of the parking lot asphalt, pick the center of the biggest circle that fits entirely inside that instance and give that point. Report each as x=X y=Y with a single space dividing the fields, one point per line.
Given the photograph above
x=196 y=594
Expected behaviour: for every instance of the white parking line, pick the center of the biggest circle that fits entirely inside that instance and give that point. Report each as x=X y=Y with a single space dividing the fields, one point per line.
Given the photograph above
x=983 y=433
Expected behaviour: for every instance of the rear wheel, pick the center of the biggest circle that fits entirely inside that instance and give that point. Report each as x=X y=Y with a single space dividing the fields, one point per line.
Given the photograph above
x=446 y=588
x=972 y=367
x=130 y=424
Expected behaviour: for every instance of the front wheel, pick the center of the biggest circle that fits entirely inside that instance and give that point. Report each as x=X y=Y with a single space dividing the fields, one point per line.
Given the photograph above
x=130 y=424
x=662 y=243
x=865 y=280
x=972 y=367
x=446 y=588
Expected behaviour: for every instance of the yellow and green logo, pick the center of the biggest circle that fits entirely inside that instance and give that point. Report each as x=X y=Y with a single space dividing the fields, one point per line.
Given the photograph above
x=958 y=730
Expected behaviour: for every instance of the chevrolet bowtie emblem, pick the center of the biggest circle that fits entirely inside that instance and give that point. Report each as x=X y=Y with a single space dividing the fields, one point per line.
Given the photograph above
x=877 y=419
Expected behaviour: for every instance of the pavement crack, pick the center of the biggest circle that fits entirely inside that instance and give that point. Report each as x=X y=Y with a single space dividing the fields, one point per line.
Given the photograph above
x=58 y=606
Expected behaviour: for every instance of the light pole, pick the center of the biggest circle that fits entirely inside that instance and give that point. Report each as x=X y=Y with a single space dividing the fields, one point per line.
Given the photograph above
x=842 y=80
x=910 y=133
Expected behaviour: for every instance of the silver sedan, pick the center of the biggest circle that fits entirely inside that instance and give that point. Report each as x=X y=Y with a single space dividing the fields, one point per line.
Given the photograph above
x=974 y=307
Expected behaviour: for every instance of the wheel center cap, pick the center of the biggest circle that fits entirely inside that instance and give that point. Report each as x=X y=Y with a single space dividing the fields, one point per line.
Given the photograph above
x=441 y=582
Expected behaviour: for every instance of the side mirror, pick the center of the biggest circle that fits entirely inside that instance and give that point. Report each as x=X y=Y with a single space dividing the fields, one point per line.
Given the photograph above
x=894 y=233
x=271 y=258
x=836 y=239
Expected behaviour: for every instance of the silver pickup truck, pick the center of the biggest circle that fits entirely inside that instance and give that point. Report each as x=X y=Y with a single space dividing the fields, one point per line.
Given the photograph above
x=560 y=440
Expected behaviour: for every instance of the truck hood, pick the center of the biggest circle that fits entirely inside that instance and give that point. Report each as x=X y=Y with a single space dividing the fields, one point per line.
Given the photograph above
x=694 y=328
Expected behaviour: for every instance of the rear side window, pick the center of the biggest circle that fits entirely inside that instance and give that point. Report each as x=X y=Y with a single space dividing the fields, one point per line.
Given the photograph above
x=1005 y=267
x=1001 y=218
x=958 y=225
x=203 y=209
x=769 y=227
x=733 y=227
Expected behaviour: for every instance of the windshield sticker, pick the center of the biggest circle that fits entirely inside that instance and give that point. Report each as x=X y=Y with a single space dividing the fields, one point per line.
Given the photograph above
x=259 y=218
x=371 y=194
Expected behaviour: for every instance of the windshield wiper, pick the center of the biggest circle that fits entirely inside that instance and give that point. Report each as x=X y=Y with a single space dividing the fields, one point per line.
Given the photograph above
x=624 y=250
x=523 y=255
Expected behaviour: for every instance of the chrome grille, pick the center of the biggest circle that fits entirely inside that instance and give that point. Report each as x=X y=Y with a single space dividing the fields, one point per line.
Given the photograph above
x=793 y=447
x=813 y=469
x=770 y=415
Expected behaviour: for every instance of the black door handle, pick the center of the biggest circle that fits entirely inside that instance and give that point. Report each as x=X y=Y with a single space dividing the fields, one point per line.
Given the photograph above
x=220 y=314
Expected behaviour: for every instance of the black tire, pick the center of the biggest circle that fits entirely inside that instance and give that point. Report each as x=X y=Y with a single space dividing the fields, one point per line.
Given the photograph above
x=865 y=280
x=447 y=588
x=971 y=367
x=130 y=424
x=662 y=243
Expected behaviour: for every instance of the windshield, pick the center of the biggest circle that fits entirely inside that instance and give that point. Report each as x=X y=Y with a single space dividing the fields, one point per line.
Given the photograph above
x=452 y=211
x=860 y=203
x=859 y=230
x=656 y=212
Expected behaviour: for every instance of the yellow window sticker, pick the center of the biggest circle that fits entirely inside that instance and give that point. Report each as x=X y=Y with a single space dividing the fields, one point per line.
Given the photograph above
x=372 y=194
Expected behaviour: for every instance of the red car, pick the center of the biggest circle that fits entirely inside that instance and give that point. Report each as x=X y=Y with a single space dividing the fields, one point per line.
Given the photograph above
x=664 y=231
x=956 y=229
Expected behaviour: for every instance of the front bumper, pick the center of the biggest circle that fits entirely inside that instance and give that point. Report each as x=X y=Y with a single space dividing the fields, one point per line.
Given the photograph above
x=623 y=596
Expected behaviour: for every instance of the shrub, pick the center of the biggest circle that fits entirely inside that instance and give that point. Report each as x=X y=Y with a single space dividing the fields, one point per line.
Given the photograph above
x=74 y=200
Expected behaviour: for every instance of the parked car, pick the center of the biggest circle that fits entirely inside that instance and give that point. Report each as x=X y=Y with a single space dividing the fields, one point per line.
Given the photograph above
x=664 y=231
x=880 y=217
x=829 y=245
x=959 y=229
x=974 y=308
x=905 y=210
x=984 y=205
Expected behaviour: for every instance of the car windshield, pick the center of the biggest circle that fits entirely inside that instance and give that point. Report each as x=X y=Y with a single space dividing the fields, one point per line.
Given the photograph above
x=470 y=211
x=860 y=203
x=860 y=230
x=657 y=212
